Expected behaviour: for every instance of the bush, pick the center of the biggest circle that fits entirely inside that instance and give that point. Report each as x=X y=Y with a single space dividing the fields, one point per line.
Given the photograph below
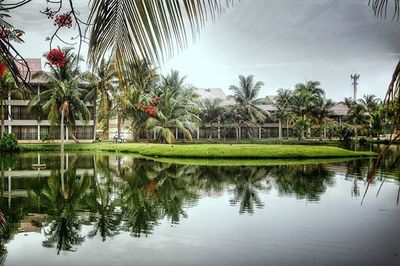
x=9 y=143
x=46 y=137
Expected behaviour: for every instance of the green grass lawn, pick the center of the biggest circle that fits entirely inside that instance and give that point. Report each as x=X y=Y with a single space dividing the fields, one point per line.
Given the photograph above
x=218 y=151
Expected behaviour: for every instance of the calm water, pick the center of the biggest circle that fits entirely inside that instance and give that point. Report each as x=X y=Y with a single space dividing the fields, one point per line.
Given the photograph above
x=113 y=209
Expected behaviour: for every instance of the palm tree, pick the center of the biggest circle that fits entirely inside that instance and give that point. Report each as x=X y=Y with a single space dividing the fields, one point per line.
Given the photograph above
x=321 y=111
x=315 y=91
x=142 y=82
x=103 y=91
x=283 y=112
x=311 y=86
x=245 y=96
x=370 y=102
x=211 y=112
x=178 y=109
x=302 y=101
x=357 y=117
x=7 y=87
x=63 y=99
x=348 y=101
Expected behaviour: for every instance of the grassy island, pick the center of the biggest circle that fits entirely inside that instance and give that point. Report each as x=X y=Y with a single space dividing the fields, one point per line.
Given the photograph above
x=217 y=151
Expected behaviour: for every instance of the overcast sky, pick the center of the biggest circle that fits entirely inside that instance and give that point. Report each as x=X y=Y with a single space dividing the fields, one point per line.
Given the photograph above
x=281 y=42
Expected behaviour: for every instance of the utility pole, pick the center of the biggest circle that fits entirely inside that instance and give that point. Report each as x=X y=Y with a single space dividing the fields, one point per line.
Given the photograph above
x=355 y=78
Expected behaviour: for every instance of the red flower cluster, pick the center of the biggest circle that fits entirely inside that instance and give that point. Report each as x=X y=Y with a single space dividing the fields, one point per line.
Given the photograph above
x=56 y=57
x=149 y=109
x=63 y=20
x=3 y=68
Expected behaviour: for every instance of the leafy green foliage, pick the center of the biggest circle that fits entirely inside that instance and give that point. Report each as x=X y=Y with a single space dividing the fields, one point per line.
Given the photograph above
x=9 y=143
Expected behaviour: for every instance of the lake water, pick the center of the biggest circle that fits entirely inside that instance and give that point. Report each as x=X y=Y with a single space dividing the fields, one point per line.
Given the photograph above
x=116 y=209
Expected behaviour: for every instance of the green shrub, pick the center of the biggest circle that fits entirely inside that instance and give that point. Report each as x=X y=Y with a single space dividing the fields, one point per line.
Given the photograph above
x=9 y=143
x=46 y=137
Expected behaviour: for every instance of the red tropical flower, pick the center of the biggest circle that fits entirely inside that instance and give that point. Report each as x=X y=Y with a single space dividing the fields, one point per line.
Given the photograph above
x=56 y=57
x=3 y=68
x=63 y=20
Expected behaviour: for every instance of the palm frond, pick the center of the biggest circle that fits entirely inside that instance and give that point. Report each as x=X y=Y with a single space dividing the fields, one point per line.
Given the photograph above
x=149 y=29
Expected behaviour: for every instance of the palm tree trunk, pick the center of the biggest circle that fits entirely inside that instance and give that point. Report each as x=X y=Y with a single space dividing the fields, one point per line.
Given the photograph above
x=356 y=133
x=2 y=179
x=280 y=129
x=74 y=138
x=118 y=124
x=302 y=127
x=321 y=133
x=287 y=129
x=94 y=115
x=210 y=136
x=2 y=119
x=62 y=131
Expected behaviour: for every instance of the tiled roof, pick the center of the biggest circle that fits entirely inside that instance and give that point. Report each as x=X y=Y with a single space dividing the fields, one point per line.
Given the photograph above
x=214 y=93
x=340 y=109
x=35 y=65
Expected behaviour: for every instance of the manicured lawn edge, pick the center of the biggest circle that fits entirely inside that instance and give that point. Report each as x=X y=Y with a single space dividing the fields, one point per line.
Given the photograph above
x=210 y=151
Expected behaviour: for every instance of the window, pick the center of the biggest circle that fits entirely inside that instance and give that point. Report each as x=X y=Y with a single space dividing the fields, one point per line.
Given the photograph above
x=22 y=113
x=53 y=131
x=84 y=132
x=25 y=132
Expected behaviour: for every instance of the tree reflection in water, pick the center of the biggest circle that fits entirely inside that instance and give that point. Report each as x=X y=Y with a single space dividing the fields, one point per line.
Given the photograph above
x=304 y=181
x=247 y=183
x=62 y=194
x=114 y=194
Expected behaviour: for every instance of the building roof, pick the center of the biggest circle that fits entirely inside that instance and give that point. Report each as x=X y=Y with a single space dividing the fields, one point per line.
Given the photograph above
x=214 y=93
x=340 y=109
x=35 y=65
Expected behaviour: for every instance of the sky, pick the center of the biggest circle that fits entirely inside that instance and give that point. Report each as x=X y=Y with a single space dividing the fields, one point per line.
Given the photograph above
x=280 y=42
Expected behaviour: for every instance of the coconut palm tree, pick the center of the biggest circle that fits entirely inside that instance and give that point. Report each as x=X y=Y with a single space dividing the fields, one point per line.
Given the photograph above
x=321 y=110
x=357 y=117
x=283 y=112
x=348 y=101
x=302 y=102
x=211 y=111
x=102 y=91
x=311 y=86
x=7 y=88
x=142 y=82
x=63 y=101
x=316 y=92
x=245 y=96
x=370 y=101
x=177 y=109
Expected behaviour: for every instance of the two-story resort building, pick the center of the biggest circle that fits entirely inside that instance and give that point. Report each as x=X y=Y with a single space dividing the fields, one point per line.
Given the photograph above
x=28 y=126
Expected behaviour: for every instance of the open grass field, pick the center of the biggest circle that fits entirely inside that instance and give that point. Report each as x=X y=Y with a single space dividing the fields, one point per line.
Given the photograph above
x=217 y=151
